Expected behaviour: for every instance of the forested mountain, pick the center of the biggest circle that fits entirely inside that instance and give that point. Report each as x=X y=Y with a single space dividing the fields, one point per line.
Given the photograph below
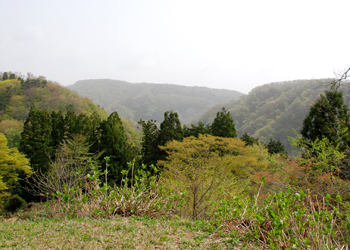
x=18 y=95
x=273 y=110
x=135 y=101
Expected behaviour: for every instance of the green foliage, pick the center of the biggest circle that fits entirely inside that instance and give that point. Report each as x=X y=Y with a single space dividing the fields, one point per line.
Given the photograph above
x=70 y=166
x=12 y=130
x=36 y=139
x=170 y=128
x=276 y=147
x=204 y=167
x=14 y=203
x=325 y=118
x=196 y=130
x=137 y=195
x=149 y=144
x=5 y=76
x=223 y=125
x=249 y=140
x=273 y=110
x=288 y=220
x=113 y=143
x=12 y=164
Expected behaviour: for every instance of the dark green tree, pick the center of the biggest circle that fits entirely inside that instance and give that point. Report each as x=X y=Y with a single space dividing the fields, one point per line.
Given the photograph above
x=276 y=147
x=149 y=144
x=36 y=139
x=326 y=118
x=170 y=128
x=114 y=144
x=12 y=76
x=5 y=76
x=57 y=132
x=196 y=130
x=249 y=140
x=223 y=125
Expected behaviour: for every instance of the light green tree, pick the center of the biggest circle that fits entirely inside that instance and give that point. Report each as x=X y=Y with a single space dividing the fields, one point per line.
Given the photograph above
x=12 y=164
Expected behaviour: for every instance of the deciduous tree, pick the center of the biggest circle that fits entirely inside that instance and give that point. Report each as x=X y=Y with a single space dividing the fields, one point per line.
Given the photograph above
x=12 y=164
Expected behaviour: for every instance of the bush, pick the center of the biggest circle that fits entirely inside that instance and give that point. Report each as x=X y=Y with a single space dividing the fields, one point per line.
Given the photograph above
x=14 y=203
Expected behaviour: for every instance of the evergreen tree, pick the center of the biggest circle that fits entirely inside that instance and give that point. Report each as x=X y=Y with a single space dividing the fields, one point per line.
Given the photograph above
x=326 y=118
x=275 y=147
x=113 y=143
x=149 y=144
x=249 y=140
x=57 y=132
x=36 y=139
x=5 y=76
x=94 y=134
x=223 y=125
x=196 y=130
x=170 y=128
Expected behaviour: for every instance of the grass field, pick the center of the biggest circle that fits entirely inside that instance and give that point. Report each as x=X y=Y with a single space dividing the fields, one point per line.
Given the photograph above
x=113 y=233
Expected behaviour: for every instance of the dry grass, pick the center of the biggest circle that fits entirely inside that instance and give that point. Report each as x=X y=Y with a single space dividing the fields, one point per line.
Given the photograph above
x=24 y=232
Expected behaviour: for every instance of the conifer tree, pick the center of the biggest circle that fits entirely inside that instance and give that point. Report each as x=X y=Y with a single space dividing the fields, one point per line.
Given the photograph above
x=113 y=143
x=223 y=125
x=149 y=144
x=326 y=118
x=36 y=138
x=57 y=132
x=5 y=76
x=170 y=128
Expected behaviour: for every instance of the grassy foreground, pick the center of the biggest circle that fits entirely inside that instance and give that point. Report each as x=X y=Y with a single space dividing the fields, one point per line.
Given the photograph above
x=18 y=232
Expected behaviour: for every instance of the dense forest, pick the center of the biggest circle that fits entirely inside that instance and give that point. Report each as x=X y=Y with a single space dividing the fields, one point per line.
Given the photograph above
x=229 y=171
x=135 y=101
x=274 y=111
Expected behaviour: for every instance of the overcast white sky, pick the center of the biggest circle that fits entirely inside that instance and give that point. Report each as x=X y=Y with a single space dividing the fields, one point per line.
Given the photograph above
x=232 y=44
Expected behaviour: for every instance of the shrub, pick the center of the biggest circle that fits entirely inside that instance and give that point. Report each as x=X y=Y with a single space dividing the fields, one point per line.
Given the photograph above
x=14 y=203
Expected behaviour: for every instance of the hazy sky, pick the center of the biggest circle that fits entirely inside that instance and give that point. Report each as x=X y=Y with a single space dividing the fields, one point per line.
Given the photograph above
x=232 y=44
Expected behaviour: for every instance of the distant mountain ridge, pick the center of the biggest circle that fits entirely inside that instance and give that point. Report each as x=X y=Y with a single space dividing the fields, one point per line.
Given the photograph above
x=135 y=101
x=274 y=110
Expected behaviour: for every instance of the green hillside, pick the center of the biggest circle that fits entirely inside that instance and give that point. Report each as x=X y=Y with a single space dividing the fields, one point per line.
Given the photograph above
x=272 y=110
x=135 y=101
x=18 y=95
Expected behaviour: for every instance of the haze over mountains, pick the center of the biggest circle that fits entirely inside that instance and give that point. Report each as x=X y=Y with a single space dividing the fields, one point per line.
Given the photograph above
x=273 y=110
x=135 y=101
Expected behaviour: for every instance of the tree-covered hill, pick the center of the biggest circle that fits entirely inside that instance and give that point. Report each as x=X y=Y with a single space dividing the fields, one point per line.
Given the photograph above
x=272 y=110
x=19 y=94
x=135 y=101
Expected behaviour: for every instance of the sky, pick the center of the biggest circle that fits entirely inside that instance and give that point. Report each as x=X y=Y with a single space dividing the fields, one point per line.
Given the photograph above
x=234 y=45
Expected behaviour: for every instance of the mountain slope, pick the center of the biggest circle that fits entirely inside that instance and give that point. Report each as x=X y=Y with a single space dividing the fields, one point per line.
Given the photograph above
x=273 y=110
x=147 y=101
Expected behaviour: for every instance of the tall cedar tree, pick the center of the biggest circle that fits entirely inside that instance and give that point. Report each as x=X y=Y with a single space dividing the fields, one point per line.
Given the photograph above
x=276 y=147
x=5 y=76
x=249 y=140
x=149 y=144
x=57 y=133
x=36 y=139
x=223 y=125
x=326 y=118
x=114 y=144
x=170 y=129
x=196 y=130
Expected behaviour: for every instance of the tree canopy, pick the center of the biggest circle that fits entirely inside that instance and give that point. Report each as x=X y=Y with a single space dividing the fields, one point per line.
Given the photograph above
x=12 y=164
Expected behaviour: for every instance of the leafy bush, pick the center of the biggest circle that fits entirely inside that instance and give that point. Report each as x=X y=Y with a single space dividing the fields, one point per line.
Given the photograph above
x=14 y=203
x=138 y=195
x=288 y=220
